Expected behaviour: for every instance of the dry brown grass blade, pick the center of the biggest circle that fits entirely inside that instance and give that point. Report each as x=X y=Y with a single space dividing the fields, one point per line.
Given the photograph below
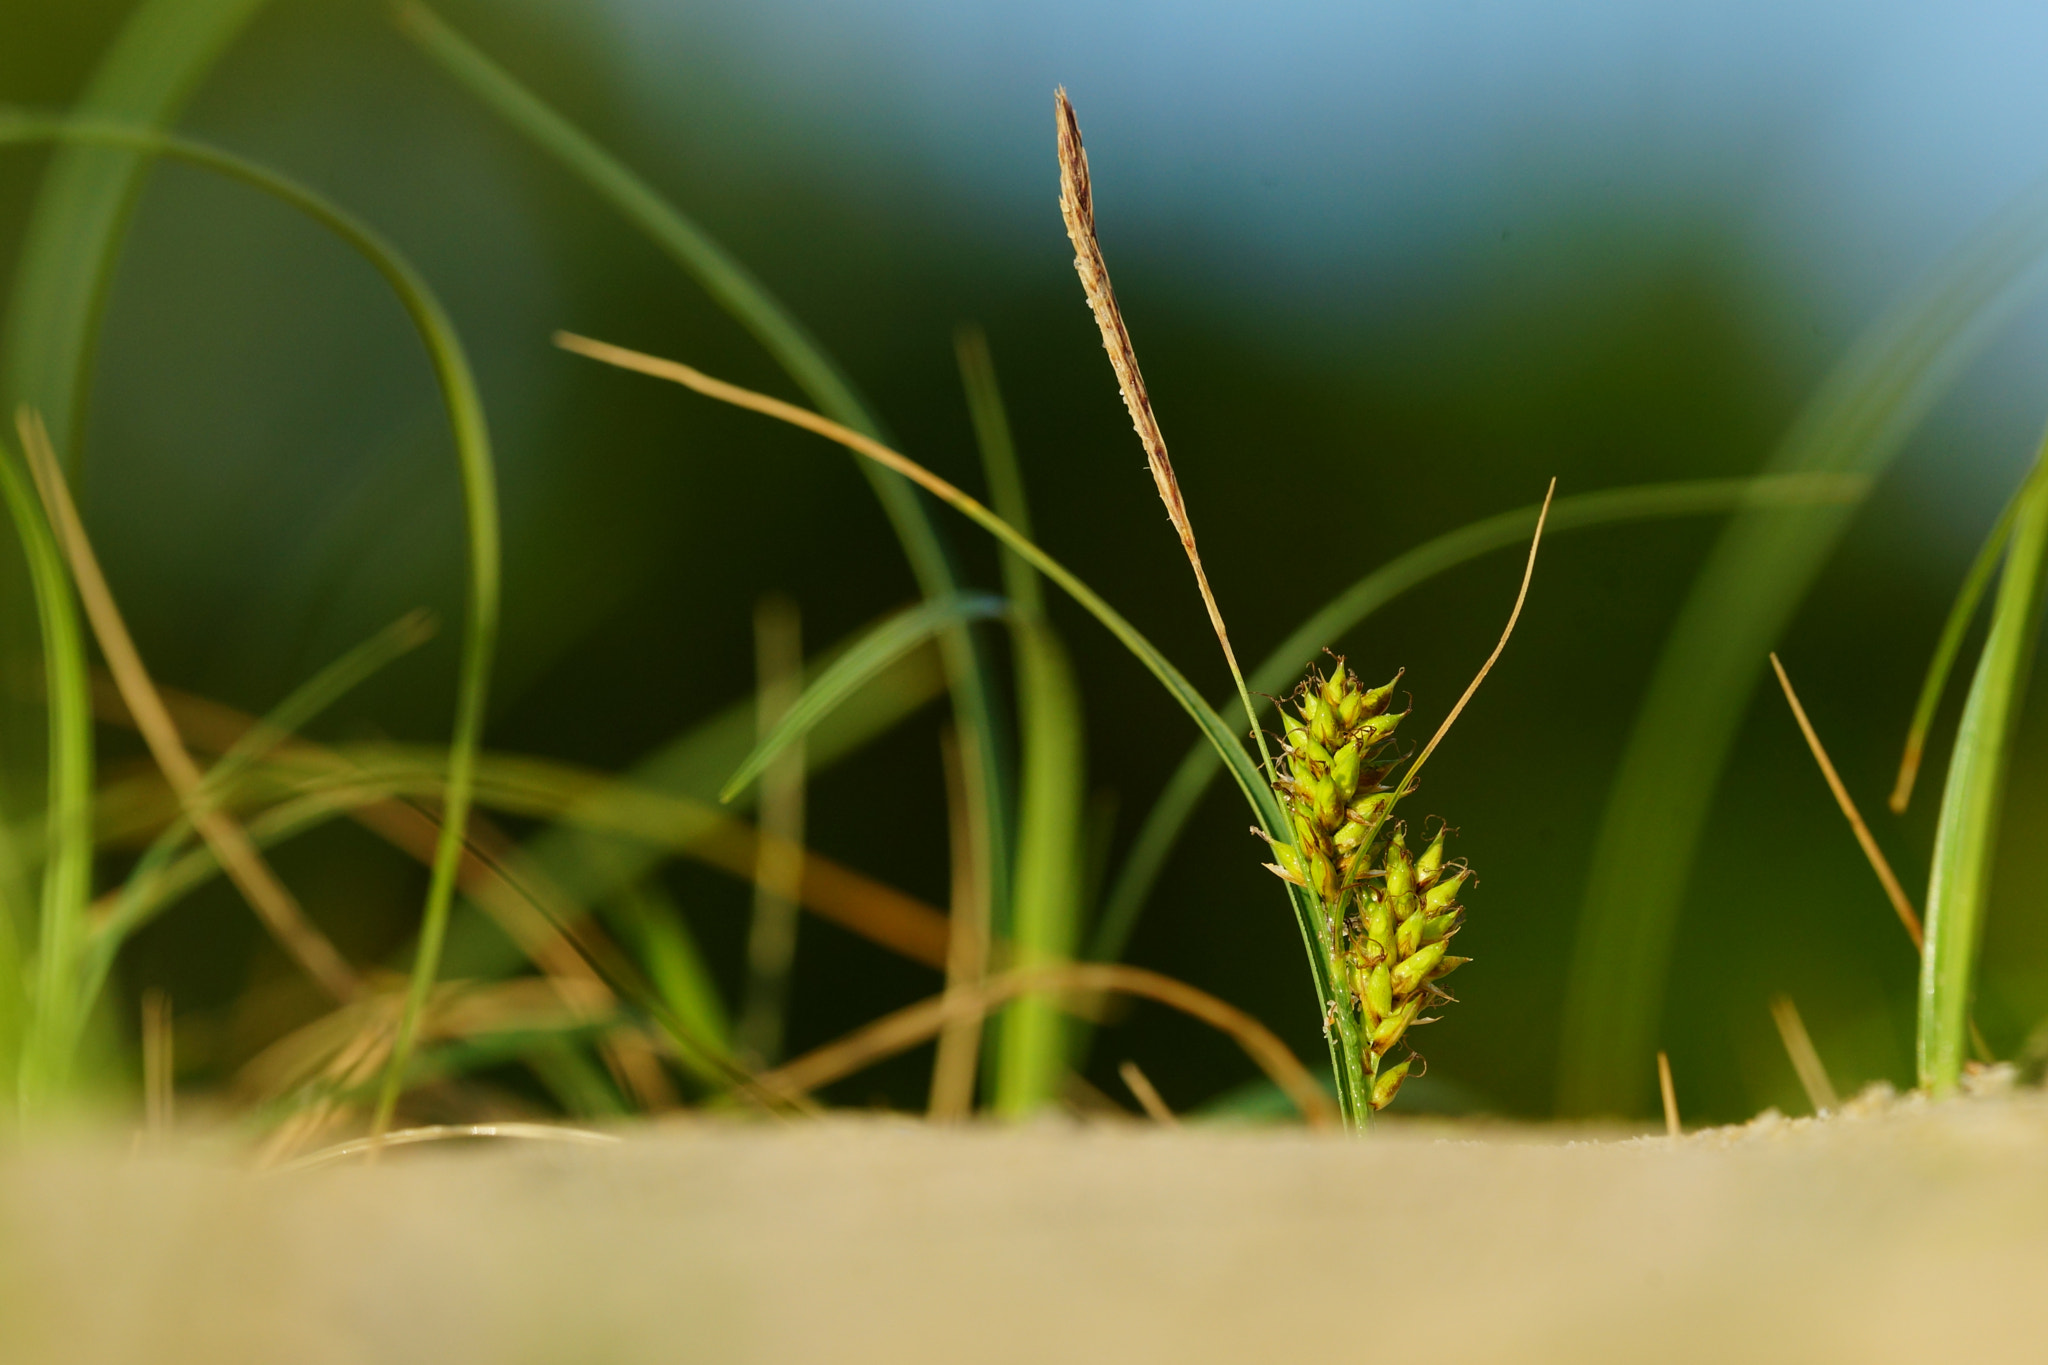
x=1521 y=596
x=1077 y=208
x=959 y=1050
x=274 y=904
x=907 y=1027
x=1901 y=903
x=158 y=1064
x=1670 y=1094
x=1813 y=1075
x=443 y=1132
x=1148 y=1097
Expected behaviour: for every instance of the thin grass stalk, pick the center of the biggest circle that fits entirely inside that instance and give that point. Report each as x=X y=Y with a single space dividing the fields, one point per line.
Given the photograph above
x=1077 y=209
x=1032 y=1039
x=1966 y=831
x=479 y=498
x=778 y=876
x=749 y=302
x=1176 y=804
x=959 y=1045
x=133 y=903
x=1751 y=585
x=45 y=1051
x=1948 y=646
x=266 y=894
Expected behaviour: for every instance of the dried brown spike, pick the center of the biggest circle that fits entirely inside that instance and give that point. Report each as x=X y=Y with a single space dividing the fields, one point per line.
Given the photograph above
x=1077 y=207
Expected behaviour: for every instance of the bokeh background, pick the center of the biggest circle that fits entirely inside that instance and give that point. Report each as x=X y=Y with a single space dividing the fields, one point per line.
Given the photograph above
x=1389 y=269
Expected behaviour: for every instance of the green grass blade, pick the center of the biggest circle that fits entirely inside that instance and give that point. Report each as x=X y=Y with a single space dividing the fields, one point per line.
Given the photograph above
x=1747 y=591
x=1947 y=647
x=744 y=298
x=858 y=666
x=654 y=925
x=479 y=498
x=1966 y=833
x=46 y=1051
x=1032 y=1037
x=1163 y=825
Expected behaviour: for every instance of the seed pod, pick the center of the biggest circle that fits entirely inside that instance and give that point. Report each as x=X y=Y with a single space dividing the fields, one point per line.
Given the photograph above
x=1325 y=805
x=1291 y=868
x=1372 y=809
x=1442 y=926
x=1379 y=926
x=1431 y=863
x=1408 y=935
x=1373 y=729
x=1389 y=1030
x=1306 y=835
x=1446 y=967
x=1388 y=1084
x=1415 y=968
x=1348 y=835
x=1445 y=893
x=1400 y=867
x=1344 y=770
x=1324 y=727
x=1322 y=877
x=1379 y=994
x=1377 y=699
x=1333 y=689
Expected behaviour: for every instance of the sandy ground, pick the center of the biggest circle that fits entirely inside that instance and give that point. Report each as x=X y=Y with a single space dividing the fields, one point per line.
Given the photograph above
x=1892 y=1232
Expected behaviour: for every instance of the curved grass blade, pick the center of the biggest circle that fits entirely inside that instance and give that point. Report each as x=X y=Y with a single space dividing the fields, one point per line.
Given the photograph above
x=1752 y=583
x=479 y=496
x=748 y=302
x=1032 y=1047
x=45 y=1047
x=1966 y=832
x=1184 y=790
x=1169 y=677
x=880 y=648
x=1948 y=646
x=1250 y=781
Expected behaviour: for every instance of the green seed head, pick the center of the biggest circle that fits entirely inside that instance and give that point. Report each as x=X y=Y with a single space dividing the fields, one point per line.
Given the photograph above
x=1390 y=912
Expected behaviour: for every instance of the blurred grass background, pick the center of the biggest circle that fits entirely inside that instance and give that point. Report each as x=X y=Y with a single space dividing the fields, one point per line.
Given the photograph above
x=1409 y=265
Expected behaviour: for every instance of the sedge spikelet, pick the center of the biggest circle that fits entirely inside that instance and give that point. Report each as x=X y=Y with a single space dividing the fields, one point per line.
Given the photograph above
x=1388 y=913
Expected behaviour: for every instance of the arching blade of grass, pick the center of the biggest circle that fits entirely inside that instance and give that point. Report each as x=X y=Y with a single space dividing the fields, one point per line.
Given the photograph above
x=69 y=245
x=39 y=1053
x=1753 y=581
x=1184 y=790
x=1966 y=833
x=654 y=925
x=1031 y=1051
x=479 y=496
x=1250 y=781
x=733 y=288
x=1948 y=646
x=1247 y=776
x=858 y=666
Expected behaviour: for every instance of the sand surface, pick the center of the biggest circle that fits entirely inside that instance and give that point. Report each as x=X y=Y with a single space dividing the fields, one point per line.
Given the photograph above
x=1894 y=1232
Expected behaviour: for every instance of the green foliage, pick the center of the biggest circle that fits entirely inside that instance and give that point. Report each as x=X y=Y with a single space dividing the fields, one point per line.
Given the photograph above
x=1753 y=581
x=1966 y=836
